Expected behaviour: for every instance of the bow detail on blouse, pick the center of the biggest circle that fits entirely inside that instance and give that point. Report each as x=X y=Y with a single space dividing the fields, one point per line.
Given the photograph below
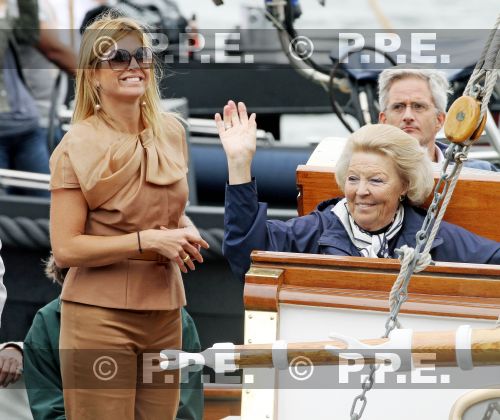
x=117 y=158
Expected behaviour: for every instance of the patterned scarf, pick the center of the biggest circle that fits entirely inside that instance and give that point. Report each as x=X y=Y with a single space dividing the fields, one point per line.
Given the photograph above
x=368 y=244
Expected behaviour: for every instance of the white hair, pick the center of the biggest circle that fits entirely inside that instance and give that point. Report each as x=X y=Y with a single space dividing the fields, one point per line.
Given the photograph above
x=437 y=81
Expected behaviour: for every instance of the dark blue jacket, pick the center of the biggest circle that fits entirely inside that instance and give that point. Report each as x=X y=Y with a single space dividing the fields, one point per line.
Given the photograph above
x=321 y=232
x=472 y=163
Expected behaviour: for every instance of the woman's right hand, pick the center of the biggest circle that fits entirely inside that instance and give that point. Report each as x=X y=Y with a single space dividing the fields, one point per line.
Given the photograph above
x=176 y=245
x=238 y=134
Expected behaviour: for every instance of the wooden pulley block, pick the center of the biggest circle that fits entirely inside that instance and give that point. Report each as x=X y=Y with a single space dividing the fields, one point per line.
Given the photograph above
x=479 y=130
x=462 y=119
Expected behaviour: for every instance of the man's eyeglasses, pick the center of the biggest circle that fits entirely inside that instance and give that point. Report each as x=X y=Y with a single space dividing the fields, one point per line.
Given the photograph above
x=120 y=59
x=417 y=107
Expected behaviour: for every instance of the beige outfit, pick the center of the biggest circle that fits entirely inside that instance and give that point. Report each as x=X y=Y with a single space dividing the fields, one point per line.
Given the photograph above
x=125 y=309
x=131 y=183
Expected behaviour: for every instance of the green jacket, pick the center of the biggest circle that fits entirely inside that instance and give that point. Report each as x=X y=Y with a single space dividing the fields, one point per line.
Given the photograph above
x=42 y=367
x=23 y=29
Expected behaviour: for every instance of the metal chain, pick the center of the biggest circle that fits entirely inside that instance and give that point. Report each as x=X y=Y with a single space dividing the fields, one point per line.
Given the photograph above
x=454 y=153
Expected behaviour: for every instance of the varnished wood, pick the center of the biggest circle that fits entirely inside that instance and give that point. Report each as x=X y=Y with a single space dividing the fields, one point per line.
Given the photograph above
x=356 y=263
x=485 y=350
x=479 y=130
x=217 y=393
x=462 y=119
x=479 y=308
x=221 y=402
x=446 y=289
x=472 y=205
x=260 y=293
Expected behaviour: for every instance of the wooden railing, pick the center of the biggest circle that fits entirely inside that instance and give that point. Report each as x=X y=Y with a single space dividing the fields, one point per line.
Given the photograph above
x=444 y=289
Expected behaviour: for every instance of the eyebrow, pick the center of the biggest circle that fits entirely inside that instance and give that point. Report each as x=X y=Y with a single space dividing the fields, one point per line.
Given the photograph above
x=422 y=102
x=350 y=171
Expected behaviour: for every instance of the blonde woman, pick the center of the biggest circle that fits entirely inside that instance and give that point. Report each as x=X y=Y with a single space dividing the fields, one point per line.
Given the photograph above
x=119 y=190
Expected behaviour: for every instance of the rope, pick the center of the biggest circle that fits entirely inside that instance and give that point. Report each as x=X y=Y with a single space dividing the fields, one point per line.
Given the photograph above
x=479 y=65
x=384 y=22
x=411 y=262
x=441 y=213
x=425 y=257
x=489 y=86
x=490 y=57
x=487 y=68
x=406 y=259
x=25 y=233
x=22 y=232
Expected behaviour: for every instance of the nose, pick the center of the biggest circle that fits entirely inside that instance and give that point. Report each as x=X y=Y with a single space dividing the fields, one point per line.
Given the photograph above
x=133 y=63
x=362 y=189
x=408 y=114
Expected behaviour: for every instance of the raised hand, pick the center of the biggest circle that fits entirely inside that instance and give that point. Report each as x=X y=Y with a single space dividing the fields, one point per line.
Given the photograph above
x=238 y=134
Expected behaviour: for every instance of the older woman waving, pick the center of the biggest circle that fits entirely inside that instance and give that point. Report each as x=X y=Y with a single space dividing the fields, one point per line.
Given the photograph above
x=384 y=174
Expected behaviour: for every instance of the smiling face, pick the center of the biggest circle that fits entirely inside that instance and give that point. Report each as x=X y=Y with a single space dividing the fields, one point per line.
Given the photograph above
x=372 y=189
x=128 y=85
x=411 y=108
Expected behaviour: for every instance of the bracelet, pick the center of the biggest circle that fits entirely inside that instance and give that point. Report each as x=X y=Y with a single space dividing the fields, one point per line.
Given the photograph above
x=139 y=242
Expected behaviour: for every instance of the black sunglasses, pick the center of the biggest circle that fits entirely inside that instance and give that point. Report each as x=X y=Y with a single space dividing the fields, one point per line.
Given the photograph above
x=120 y=59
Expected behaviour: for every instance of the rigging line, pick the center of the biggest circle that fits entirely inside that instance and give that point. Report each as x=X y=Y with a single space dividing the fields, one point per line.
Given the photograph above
x=383 y=20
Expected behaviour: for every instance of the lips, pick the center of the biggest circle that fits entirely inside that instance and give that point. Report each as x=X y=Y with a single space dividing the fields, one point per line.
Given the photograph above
x=409 y=129
x=131 y=79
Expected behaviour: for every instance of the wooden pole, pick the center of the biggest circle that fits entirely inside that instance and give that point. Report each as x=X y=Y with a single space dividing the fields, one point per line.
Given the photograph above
x=485 y=350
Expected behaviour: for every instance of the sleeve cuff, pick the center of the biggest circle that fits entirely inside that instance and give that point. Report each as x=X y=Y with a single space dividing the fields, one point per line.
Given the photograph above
x=251 y=184
x=242 y=195
x=17 y=345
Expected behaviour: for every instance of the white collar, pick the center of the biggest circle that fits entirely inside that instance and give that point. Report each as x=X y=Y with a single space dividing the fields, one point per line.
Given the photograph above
x=369 y=245
x=439 y=155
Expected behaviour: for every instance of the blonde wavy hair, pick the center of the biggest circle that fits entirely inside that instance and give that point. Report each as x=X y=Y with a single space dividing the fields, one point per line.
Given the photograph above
x=96 y=40
x=411 y=161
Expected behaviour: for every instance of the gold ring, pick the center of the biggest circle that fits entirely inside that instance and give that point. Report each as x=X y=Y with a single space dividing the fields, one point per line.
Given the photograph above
x=186 y=258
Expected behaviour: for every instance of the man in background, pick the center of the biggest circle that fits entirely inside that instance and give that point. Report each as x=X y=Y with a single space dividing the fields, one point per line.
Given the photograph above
x=415 y=100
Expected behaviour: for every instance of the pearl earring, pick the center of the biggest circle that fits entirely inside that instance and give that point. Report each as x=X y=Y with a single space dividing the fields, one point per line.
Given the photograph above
x=97 y=107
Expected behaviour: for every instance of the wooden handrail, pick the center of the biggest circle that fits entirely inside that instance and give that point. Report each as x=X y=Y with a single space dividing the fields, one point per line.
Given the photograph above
x=444 y=289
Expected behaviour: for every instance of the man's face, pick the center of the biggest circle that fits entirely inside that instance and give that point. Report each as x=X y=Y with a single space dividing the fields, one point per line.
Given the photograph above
x=411 y=108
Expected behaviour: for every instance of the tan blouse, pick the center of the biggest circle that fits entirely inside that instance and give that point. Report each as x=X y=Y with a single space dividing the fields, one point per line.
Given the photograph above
x=131 y=183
